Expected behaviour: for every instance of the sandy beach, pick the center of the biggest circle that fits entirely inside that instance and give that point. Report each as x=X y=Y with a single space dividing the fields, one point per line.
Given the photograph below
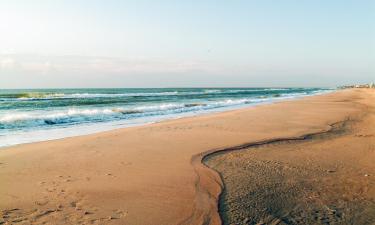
x=323 y=178
x=312 y=163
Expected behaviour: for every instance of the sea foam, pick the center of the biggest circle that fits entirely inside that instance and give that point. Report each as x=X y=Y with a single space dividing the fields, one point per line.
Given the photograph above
x=26 y=113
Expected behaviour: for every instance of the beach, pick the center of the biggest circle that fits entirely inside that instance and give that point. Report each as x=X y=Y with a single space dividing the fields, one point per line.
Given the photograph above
x=32 y=115
x=316 y=153
x=322 y=178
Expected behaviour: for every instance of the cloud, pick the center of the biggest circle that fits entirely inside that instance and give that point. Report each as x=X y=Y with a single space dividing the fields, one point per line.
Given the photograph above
x=33 y=70
x=45 y=64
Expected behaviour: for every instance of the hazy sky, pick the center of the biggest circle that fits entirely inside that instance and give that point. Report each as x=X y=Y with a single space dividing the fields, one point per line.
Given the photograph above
x=76 y=43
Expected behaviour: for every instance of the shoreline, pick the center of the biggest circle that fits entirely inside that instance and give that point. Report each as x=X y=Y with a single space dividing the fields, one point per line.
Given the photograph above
x=96 y=128
x=179 y=177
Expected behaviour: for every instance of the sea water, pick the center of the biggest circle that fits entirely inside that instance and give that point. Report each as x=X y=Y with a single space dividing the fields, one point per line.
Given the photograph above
x=45 y=114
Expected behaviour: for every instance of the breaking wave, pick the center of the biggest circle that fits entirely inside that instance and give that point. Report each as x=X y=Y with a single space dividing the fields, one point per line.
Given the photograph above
x=32 y=111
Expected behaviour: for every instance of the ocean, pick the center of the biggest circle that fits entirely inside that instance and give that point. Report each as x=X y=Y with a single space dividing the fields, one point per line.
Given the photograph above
x=45 y=114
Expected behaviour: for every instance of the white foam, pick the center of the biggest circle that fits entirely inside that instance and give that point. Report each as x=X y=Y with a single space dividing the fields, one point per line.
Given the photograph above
x=85 y=120
x=36 y=96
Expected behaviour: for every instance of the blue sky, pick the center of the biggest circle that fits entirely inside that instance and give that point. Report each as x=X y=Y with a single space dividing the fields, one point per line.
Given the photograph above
x=185 y=43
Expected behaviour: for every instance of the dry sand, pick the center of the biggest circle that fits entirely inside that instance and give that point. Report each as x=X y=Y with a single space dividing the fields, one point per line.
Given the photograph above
x=153 y=174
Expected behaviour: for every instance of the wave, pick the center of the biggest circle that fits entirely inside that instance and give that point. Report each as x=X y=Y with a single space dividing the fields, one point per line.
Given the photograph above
x=126 y=112
x=277 y=89
x=20 y=119
x=17 y=117
x=194 y=104
x=212 y=91
x=104 y=95
x=40 y=118
x=31 y=118
x=26 y=96
x=50 y=96
x=31 y=95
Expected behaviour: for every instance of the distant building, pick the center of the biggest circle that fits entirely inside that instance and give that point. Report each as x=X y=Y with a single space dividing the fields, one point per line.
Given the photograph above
x=371 y=85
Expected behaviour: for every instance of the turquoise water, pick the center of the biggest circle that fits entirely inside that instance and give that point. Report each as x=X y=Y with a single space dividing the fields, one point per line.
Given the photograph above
x=36 y=115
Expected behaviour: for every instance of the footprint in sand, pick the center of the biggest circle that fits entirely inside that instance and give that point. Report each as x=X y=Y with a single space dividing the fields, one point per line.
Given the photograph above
x=41 y=202
x=117 y=214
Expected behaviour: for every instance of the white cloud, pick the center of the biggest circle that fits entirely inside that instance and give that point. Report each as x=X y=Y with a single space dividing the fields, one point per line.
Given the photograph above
x=85 y=64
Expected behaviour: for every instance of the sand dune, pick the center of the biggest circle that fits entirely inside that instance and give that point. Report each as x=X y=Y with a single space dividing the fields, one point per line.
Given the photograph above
x=153 y=174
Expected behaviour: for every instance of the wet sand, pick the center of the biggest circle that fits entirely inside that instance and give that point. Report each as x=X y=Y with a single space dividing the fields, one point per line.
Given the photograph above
x=153 y=174
x=323 y=178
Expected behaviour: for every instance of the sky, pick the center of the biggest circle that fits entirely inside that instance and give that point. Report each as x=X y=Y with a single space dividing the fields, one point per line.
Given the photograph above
x=197 y=43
